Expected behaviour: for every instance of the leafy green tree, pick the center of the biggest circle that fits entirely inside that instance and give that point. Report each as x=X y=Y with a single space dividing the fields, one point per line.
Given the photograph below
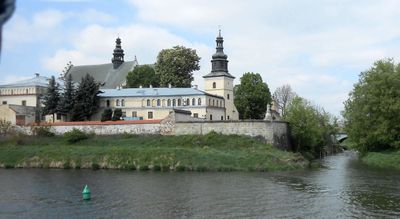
x=66 y=103
x=86 y=99
x=142 y=75
x=51 y=98
x=252 y=96
x=106 y=115
x=175 y=66
x=372 y=112
x=117 y=114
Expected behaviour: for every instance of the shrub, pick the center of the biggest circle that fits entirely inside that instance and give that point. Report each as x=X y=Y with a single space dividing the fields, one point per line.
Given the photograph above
x=95 y=166
x=75 y=135
x=5 y=127
x=117 y=115
x=43 y=131
x=106 y=115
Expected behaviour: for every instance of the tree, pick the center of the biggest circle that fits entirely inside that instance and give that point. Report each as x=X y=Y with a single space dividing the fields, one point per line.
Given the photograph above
x=117 y=114
x=311 y=127
x=283 y=96
x=86 y=99
x=175 y=66
x=106 y=115
x=372 y=112
x=51 y=98
x=142 y=75
x=67 y=97
x=252 y=96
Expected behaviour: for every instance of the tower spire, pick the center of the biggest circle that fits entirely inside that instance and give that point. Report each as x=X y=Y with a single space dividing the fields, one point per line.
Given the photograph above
x=118 y=54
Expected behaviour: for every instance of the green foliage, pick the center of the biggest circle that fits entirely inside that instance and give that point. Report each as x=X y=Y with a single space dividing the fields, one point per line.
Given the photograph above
x=5 y=127
x=43 y=131
x=51 y=98
x=175 y=66
x=142 y=75
x=387 y=159
x=372 y=112
x=311 y=128
x=75 y=135
x=252 y=96
x=106 y=115
x=66 y=103
x=117 y=114
x=86 y=99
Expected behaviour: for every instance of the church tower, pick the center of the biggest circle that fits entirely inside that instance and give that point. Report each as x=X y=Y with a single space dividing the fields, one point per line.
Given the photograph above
x=219 y=81
x=118 y=54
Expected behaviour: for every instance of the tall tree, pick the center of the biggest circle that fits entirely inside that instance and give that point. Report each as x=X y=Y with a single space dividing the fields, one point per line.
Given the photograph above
x=86 y=99
x=51 y=98
x=283 y=96
x=372 y=112
x=252 y=96
x=142 y=75
x=175 y=66
x=67 y=97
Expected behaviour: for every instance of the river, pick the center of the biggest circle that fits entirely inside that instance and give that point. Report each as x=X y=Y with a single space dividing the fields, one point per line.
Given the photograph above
x=342 y=188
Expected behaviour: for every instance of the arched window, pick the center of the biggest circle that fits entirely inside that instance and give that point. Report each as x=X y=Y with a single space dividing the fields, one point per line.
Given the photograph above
x=214 y=85
x=187 y=102
x=213 y=102
x=148 y=102
x=209 y=102
x=179 y=102
x=122 y=102
x=117 y=102
x=193 y=102
x=169 y=102
x=158 y=102
x=163 y=102
x=199 y=102
x=173 y=102
x=27 y=91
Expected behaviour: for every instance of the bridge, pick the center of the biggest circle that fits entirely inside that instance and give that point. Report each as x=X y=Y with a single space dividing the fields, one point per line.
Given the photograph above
x=340 y=137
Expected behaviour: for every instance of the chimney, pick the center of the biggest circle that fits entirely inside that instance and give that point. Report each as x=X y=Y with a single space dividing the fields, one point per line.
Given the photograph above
x=169 y=85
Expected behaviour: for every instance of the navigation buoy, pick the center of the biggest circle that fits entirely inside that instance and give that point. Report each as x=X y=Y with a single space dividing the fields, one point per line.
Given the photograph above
x=86 y=193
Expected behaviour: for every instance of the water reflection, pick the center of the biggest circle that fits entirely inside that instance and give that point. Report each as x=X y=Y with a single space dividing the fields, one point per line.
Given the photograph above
x=344 y=188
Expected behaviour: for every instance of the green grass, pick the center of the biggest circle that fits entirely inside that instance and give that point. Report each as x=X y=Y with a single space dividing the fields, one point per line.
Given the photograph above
x=212 y=152
x=388 y=159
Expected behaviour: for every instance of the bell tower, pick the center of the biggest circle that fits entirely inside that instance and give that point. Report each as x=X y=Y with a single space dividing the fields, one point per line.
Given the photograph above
x=118 y=54
x=219 y=81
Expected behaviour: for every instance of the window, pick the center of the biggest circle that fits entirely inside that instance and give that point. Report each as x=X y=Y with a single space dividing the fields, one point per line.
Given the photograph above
x=122 y=102
x=150 y=115
x=23 y=103
x=199 y=102
x=173 y=102
x=58 y=116
x=222 y=118
x=179 y=102
x=210 y=117
x=228 y=117
x=158 y=102
x=213 y=102
x=27 y=91
x=193 y=102
x=123 y=114
x=209 y=102
x=214 y=85
x=195 y=115
x=12 y=92
x=187 y=102
x=169 y=102
x=117 y=102
x=148 y=102
x=108 y=103
x=4 y=102
x=228 y=96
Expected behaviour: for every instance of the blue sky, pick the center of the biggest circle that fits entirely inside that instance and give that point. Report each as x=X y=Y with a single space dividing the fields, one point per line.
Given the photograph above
x=318 y=47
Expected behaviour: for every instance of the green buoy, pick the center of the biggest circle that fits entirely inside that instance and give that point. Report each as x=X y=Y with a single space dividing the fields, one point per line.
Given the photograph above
x=86 y=193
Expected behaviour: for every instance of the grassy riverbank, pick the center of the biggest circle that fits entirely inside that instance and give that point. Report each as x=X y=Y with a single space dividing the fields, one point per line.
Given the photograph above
x=212 y=152
x=388 y=159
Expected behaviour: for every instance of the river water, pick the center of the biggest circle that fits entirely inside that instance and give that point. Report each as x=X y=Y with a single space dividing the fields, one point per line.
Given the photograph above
x=343 y=188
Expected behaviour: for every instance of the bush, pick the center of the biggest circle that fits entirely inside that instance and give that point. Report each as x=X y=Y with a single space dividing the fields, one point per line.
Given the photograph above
x=106 y=115
x=43 y=131
x=117 y=115
x=75 y=135
x=5 y=127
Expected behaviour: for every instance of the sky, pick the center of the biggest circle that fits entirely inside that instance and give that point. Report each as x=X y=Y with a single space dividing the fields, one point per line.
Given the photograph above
x=319 y=48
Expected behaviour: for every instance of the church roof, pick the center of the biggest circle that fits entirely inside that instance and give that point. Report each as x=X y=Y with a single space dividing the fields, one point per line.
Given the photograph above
x=37 y=81
x=218 y=74
x=153 y=92
x=103 y=73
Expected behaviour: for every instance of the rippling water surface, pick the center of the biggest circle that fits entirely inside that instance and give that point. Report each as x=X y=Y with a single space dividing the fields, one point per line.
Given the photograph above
x=344 y=188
